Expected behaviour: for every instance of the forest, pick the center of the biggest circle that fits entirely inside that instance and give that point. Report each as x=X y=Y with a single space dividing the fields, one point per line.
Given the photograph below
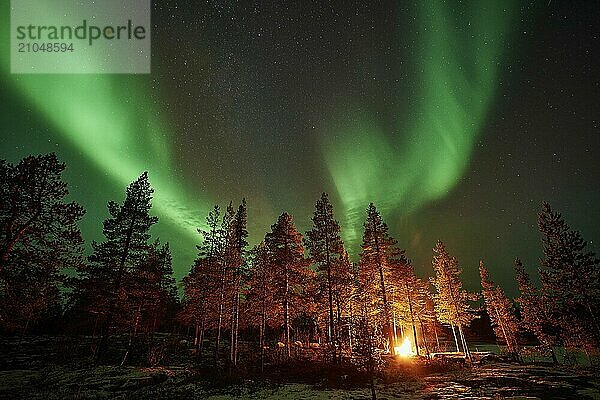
x=291 y=307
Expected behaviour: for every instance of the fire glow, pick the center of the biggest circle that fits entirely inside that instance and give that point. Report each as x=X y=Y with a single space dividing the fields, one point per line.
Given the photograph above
x=405 y=349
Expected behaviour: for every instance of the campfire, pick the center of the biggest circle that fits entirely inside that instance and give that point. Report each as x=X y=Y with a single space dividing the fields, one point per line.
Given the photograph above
x=405 y=349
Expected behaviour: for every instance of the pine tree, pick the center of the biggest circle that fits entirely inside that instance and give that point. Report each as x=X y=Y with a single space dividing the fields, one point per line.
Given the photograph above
x=428 y=321
x=213 y=286
x=500 y=310
x=570 y=277
x=151 y=292
x=39 y=238
x=343 y=284
x=326 y=248
x=379 y=250
x=451 y=301
x=227 y=247
x=535 y=312
x=201 y=285
x=260 y=305
x=124 y=251
x=205 y=285
x=197 y=290
x=410 y=299
x=290 y=271
x=365 y=343
x=236 y=262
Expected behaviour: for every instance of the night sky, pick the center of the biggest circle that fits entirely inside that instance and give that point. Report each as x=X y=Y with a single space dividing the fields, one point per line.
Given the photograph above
x=456 y=120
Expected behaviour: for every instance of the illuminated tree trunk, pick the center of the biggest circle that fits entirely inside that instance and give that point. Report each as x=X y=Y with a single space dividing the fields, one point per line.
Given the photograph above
x=331 y=328
x=386 y=309
x=202 y=330
x=412 y=321
x=262 y=328
x=132 y=335
x=220 y=315
x=350 y=325
x=455 y=339
x=394 y=322
x=464 y=343
x=286 y=315
x=196 y=337
x=326 y=247
x=290 y=271
x=234 y=329
x=507 y=339
x=424 y=339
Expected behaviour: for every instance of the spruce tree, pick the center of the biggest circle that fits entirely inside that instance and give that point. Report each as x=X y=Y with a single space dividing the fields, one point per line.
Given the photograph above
x=570 y=277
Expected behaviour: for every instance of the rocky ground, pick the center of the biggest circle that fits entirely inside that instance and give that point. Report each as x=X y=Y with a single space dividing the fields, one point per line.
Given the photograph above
x=25 y=375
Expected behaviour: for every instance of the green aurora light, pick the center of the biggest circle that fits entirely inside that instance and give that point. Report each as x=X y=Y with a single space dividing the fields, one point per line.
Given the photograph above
x=457 y=71
x=112 y=121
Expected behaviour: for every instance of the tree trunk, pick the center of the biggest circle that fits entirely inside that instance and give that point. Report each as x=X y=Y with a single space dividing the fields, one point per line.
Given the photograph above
x=117 y=288
x=386 y=310
x=220 y=315
x=553 y=355
x=351 y=321
x=232 y=339
x=235 y=319
x=414 y=328
x=455 y=339
x=506 y=338
x=131 y=337
x=594 y=323
x=464 y=342
x=196 y=337
x=372 y=384
x=424 y=339
x=370 y=351
x=237 y=326
x=202 y=329
x=261 y=342
x=394 y=325
x=286 y=327
x=332 y=333
x=286 y=316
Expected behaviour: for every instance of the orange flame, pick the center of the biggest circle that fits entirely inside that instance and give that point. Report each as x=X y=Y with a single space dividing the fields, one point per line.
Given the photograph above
x=405 y=349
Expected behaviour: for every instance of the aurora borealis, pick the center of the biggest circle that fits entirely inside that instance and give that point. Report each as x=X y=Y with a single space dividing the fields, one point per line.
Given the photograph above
x=457 y=63
x=456 y=120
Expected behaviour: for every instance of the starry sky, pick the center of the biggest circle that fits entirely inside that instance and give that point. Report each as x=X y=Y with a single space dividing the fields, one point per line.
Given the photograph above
x=455 y=118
